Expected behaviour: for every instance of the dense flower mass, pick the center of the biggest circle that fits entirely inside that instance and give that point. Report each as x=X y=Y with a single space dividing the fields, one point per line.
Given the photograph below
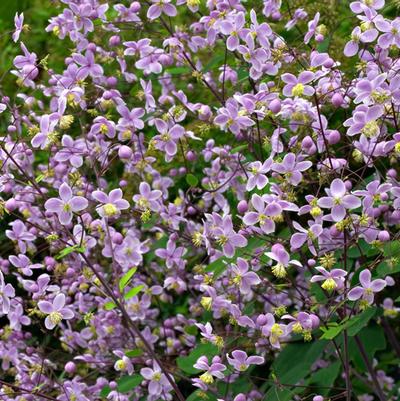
x=200 y=200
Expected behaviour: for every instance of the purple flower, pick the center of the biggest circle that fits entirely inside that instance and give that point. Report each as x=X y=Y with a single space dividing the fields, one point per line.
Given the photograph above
x=358 y=36
x=298 y=239
x=19 y=24
x=214 y=370
x=280 y=255
x=241 y=361
x=228 y=238
x=88 y=65
x=370 y=91
x=297 y=86
x=157 y=381
x=168 y=138
x=367 y=289
x=123 y=364
x=46 y=134
x=161 y=6
x=172 y=255
x=244 y=278
x=312 y=27
x=72 y=151
x=274 y=331
x=332 y=280
x=65 y=206
x=147 y=200
x=303 y=322
x=7 y=291
x=233 y=28
x=391 y=31
x=20 y=235
x=130 y=120
x=338 y=201
x=374 y=192
x=266 y=208
x=291 y=168
x=112 y=204
x=55 y=311
x=23 y=263
x=230 y=117
x=360 y=6
x=26 y=65
x=257 y=173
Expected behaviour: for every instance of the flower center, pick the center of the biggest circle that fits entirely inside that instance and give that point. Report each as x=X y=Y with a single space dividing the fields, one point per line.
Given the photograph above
x=110 y=209
x=298 y=90
x=55 y=317
x=329 y=284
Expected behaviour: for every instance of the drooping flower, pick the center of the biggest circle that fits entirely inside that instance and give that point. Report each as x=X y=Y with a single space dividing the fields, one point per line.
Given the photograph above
x=332 y=280
x=281 y=256
x=215 y=369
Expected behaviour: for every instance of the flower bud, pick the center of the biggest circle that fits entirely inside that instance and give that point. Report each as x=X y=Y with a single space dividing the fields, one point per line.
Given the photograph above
x=337 y=100
x=242 y=207
x=334 y=137
x=275 y=106
x=383 y=236
x=70 y=367
x=125 y=152
x=11 y=204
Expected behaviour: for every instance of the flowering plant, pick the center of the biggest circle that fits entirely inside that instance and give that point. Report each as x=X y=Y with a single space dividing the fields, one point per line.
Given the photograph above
x=200 y=200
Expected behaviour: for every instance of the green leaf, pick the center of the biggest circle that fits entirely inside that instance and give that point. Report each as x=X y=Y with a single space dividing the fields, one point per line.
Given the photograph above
x=134 y=353
x=292 y=365
x=332 y=332
x=109 y=306
x=353 y=325
x=105 y=391
x=134 y=291
x=356 y=323
x=325 y=377
x=70 y=249
x=186 y=363
x=373 y=339
x=124 y=281
x=239 y=148
x=192 y=180
x=128 y=383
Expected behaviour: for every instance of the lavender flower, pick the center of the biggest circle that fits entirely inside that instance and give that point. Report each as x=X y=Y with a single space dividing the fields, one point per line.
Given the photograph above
x=241 y=361
x=332 y=280
x=7 y=291
x=65 y=206
x=338 y=201
x=56 y=311
x=112 y=204
x=367 y=289
x=244 y=278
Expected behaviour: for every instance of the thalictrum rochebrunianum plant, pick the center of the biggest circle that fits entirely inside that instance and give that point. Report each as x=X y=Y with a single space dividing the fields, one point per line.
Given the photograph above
x=200 y=201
